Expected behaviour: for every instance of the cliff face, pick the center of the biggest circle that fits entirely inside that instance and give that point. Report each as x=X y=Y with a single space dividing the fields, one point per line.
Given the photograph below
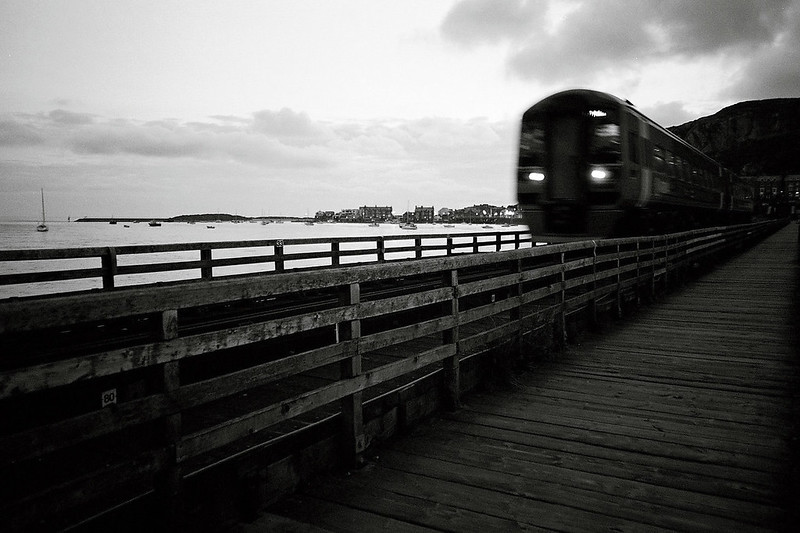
x=750 y=138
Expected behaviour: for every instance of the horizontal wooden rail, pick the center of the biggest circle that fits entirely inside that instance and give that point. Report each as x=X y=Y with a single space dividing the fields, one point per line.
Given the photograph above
x=155 y=382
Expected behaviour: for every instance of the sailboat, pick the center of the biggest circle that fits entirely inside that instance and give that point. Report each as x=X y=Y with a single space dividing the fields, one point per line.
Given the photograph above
x=42 y=226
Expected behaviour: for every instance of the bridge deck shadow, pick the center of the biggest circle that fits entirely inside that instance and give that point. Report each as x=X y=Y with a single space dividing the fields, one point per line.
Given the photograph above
x=680 y=418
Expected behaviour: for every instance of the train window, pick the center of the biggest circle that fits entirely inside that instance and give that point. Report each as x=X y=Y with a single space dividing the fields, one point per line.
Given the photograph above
x=605 y=142
x=670 y=159
x=633 y=147
x=531 y=144
x=658 y=158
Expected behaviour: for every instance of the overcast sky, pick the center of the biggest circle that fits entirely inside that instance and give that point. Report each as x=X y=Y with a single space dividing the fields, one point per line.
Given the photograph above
x=163 y=107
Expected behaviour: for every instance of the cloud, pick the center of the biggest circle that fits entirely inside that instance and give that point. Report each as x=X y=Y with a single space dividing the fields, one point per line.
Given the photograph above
x=282 y=139
x=771 y=71
x=284 y=154
x=288 y=126
x=61 y=116
x=146 y=140
x=472 y=22
x=13 y=133
x=588 y=41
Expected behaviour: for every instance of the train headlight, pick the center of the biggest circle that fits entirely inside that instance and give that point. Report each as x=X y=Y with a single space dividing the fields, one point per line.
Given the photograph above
x=600 y=174
x=536 y=176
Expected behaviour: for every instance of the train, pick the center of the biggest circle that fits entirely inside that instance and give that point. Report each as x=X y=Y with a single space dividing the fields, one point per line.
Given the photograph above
x=593 y=166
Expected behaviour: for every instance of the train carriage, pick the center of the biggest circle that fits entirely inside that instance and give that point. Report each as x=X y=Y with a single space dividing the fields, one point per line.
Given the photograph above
x=592 y=165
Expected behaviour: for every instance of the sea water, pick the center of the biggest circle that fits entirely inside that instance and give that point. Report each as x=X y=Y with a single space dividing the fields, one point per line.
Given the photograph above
x=61 y=235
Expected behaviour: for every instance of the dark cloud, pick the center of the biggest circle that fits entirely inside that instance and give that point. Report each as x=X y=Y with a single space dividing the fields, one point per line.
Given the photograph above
x=600 y=35
x=61 y=116
x=13 y=133
x=771 y=71
x=153 y=141
x=230 y=118
x=288 y=126
x=487 y=21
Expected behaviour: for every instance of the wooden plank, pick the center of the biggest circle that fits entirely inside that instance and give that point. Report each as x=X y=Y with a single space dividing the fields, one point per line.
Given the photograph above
x=520 y=508
x=326 y=516
x=587 y=492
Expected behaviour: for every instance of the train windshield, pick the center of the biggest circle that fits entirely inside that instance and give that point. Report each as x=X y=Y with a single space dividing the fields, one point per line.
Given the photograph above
x=531 y=145
x=604 y=142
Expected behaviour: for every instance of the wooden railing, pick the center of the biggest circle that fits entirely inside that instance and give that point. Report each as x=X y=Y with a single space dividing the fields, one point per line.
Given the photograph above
x=212 y=259
x=111 y=396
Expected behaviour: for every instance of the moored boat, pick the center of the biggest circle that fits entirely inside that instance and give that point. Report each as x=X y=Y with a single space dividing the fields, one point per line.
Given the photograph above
x=43 y=225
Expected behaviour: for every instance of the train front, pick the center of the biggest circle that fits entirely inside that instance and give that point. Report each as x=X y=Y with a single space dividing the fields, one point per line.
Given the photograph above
x=570 y=166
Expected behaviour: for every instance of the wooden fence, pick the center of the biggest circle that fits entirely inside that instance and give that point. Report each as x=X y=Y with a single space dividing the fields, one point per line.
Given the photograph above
x=208 y=259
x=109 y=397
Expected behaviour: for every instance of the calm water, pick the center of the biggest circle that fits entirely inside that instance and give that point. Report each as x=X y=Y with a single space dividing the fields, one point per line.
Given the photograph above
x=23 y=235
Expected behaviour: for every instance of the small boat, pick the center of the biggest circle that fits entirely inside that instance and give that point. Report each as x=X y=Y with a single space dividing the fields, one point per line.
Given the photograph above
x=487 y=226
x=408 y=225
x=449 y=225
x=374 y=225
x=154 y=223
x=308 y=223
x=42 y=226
x=209 y=227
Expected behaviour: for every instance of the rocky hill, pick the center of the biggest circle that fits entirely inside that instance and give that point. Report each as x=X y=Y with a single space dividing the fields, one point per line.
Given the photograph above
x=750 y=138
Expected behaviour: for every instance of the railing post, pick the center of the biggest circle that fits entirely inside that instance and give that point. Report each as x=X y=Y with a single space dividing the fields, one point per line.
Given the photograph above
x=449 y=245
x=515 y=313
x=279 y=261
x=451 y=365
x=619 y=283
x=516 y=241
x=593 y=302
x=666 y=263
x=334 y=253
x=205 y=259
x=418 y=247
x=352 y=413
x=474 y=244
x=653 y=268
x=498 y=242
x=108 y=263
x=169 y=482
x=561 y=319
x=381 y=244
x=638 y=273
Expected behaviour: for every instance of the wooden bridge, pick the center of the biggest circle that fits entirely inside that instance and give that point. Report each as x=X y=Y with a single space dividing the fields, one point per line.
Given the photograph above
x=682 y=418
x=215 y=404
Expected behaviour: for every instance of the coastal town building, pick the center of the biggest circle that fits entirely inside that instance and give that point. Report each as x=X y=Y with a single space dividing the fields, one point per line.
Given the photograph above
x=775 y=193
x=423 y=214
x=375 y=213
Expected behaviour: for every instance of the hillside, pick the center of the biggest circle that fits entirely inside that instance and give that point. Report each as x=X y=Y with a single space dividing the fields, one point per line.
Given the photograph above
x=750 y=138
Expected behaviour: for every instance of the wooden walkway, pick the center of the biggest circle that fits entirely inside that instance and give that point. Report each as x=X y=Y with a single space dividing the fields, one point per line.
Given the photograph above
x=679 y=418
